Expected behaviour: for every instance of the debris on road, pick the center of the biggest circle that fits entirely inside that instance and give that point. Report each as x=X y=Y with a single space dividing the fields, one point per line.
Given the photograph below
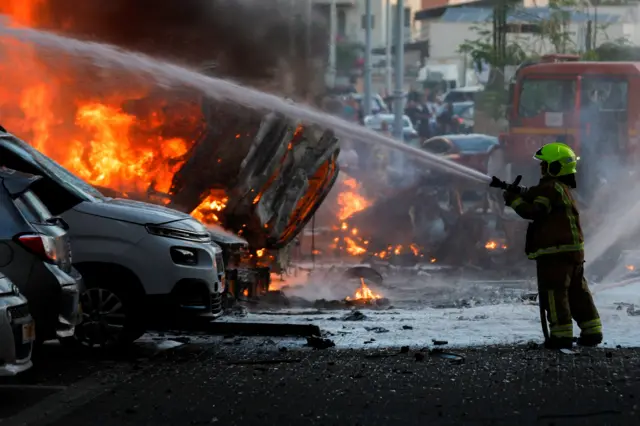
x=451 y=357
x=354 y=316
x=319 y=343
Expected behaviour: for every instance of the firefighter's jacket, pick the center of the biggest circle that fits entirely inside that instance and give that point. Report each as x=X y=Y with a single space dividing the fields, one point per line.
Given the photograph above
x=555 y=226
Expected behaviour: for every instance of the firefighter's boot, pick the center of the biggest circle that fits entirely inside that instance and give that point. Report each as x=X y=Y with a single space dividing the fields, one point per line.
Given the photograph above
x=591 y=334
x=558 y=343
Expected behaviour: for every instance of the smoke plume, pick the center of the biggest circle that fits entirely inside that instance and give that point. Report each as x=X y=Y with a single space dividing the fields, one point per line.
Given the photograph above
x=246 y=39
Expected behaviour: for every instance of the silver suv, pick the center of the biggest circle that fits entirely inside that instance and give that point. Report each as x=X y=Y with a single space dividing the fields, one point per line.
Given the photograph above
x=143 y=265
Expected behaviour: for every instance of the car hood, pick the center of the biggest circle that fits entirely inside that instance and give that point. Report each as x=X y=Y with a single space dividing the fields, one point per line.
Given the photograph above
x=224 y=237
x=132 y=211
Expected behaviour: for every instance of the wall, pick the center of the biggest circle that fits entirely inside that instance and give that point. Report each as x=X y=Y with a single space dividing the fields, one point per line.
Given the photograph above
x=446 y=38
x=354 y=15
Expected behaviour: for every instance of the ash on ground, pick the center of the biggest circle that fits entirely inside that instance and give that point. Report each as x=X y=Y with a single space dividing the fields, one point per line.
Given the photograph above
x=322 y=289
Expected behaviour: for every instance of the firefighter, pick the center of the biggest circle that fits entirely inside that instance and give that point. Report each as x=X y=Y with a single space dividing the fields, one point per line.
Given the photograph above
x=555 y=241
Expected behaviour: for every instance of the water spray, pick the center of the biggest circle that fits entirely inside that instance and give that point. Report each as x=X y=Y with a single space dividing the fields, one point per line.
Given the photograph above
x=170 y=75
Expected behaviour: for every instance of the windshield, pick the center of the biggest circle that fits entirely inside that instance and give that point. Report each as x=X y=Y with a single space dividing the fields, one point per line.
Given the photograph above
x=71 y=181
x=539 y=96
x=474 y=145
x=460 y=107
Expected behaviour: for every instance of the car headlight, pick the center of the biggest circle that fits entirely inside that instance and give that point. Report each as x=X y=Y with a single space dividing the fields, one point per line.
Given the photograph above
x=178 y=234
x=184 y=256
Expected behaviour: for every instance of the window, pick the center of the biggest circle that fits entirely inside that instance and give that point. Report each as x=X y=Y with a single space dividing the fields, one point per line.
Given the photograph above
x=364 y=22
x=541 y=95
x=604 y=92
x=474 y=145
x=342 y=23
x=437 y=146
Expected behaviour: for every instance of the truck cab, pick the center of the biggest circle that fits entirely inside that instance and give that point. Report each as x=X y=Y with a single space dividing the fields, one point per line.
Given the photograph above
x=583 y=104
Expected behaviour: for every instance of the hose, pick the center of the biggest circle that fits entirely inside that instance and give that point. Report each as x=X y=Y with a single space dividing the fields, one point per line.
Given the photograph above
x=543 y=319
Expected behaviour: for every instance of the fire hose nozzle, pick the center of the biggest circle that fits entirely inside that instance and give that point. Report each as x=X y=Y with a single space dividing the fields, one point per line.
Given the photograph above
x=497 y=183
x=509 y=187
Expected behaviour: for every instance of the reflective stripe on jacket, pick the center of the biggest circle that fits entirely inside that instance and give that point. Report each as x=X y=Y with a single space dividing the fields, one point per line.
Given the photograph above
x=555 y=226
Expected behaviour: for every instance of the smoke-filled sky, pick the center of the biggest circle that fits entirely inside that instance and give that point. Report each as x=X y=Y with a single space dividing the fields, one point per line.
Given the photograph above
x=247 y=36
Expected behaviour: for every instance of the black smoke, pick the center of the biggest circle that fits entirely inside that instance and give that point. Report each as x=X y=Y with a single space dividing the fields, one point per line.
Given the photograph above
x=245 y=38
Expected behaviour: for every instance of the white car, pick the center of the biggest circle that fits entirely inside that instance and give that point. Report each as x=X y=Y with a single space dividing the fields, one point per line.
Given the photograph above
x=17 y=330
x=144 y=266
x=374 y=122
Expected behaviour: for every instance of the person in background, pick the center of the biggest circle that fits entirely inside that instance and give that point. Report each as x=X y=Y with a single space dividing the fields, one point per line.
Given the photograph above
x=445 y=120
x=413 y=109
x=350 y=110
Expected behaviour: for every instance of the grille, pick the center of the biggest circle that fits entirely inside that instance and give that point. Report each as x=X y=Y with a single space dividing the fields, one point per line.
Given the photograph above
x=18 y=312
x=216 y=303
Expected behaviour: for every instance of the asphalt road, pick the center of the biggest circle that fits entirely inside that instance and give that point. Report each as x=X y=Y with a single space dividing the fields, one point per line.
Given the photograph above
x=232 y=383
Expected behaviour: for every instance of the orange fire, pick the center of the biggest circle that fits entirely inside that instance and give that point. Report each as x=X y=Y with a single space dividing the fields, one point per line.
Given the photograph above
x=350 y=200
x=365 y=293
x=208 y=211
x=493 y=245
x=88 y=124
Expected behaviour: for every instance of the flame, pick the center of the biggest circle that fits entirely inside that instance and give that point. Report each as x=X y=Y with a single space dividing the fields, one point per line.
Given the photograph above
x=491 y=245
x=89 y=125
x=365 y=293
x=209 y=209
x=260 y=252
x=353 y=248
x=631 y=267
x=350 y=200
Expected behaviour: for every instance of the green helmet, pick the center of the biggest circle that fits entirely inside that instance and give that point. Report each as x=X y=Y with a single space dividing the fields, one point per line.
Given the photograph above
x=561 y=159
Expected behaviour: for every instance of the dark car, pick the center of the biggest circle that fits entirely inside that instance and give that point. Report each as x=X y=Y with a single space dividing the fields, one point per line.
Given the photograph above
x=472 y=150
x=35 y=254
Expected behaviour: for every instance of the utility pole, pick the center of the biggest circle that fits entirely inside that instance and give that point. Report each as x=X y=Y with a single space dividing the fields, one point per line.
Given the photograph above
x=388 y=38
x=307 y=35
x=307 y=47
x=367 y=59
x=399 y=92
x=333 y=34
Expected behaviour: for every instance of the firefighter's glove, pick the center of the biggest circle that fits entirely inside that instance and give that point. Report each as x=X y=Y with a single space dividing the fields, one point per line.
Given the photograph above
x=509 y=197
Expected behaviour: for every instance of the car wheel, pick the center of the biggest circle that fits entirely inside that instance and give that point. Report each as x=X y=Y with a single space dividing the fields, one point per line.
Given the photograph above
x=111 y=316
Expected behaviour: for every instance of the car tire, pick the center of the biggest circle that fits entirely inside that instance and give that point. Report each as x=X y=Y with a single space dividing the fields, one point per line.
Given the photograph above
x=112 y=314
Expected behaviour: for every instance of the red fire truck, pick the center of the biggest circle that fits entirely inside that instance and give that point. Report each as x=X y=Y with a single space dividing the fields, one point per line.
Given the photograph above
x=584 y=104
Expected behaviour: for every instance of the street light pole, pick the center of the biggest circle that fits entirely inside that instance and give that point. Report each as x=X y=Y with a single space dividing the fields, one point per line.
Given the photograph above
x=367 y=59
x=389 y=69
x=399 y=92
x=333 y=34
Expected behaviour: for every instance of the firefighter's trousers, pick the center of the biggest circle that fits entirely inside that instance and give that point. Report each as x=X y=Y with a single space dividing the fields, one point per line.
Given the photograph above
x=564 y=294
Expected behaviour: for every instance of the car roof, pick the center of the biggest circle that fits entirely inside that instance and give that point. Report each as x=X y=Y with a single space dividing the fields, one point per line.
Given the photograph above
x=385 y=116
x=459 y=137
